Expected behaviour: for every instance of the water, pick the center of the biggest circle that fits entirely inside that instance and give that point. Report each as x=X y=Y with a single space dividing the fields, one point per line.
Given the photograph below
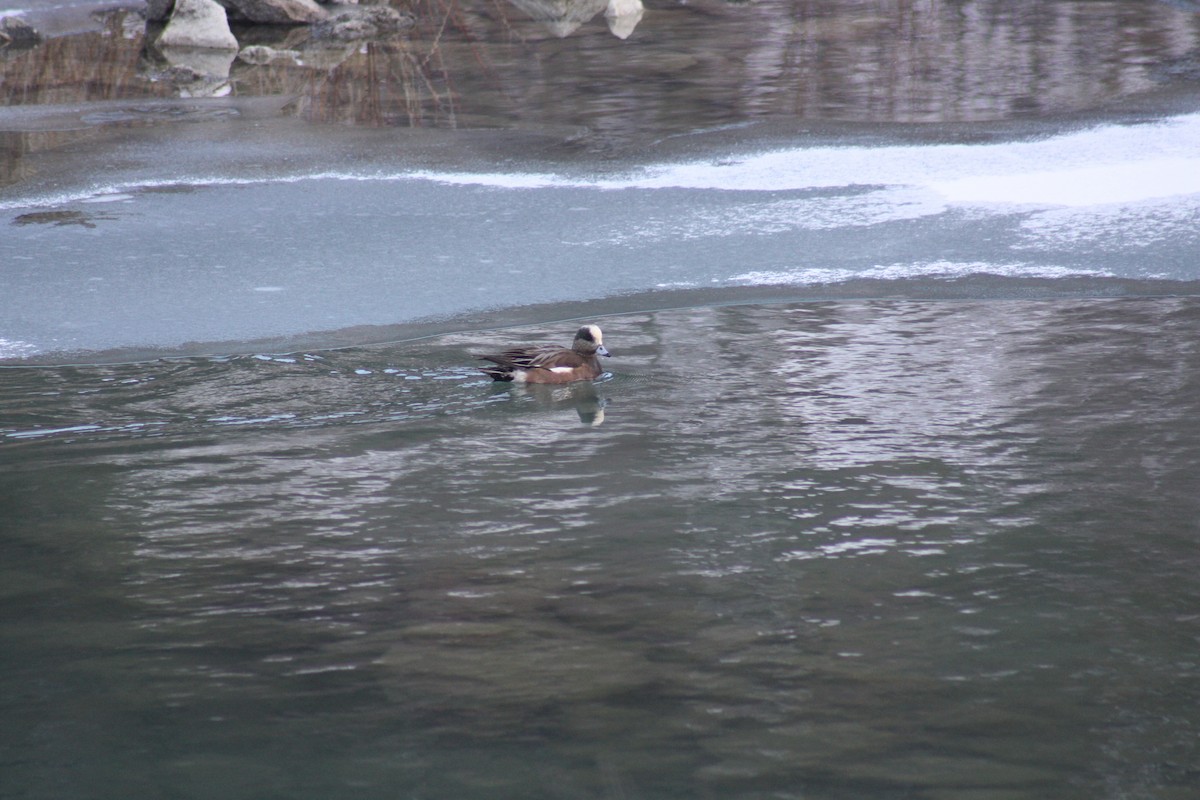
x=890 y=492
x=832 y=549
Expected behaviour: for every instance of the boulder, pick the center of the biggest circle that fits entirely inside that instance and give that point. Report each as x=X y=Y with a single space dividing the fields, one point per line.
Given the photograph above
x=198 y=24
x=159 y=10
x=16 y=31
x=623 y=16
x=277 y=12
x=362 y=22
x=624 y=8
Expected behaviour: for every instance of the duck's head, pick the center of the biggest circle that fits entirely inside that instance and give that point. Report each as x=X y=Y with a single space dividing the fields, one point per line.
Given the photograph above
x=589 y=340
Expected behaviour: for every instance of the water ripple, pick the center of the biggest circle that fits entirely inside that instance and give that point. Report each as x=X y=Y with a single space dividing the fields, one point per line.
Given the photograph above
x=845 y=534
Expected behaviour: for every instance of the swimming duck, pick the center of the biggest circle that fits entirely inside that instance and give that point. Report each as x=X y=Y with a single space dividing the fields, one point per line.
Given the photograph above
x=550 y=363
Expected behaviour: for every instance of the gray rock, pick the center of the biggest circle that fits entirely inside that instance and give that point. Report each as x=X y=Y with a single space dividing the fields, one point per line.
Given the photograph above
x=277 y=12
x=349 y=23
x=198 y=63
x=623 y=16
x=198 y=23
x=159 y=10
x=18 y=32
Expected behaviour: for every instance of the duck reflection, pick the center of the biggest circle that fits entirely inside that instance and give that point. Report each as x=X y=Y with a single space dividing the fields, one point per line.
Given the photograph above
x=564 y=17
x=582 y=396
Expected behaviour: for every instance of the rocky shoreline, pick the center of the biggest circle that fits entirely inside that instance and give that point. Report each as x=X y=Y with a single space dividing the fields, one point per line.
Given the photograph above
x=199 y=46
x=190 y=43
x=565 y=69
x=205 y=23
x=193 y=44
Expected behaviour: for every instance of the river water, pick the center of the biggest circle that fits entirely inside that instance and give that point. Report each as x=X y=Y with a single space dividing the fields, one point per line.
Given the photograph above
x=888 y=548
x=889 y=491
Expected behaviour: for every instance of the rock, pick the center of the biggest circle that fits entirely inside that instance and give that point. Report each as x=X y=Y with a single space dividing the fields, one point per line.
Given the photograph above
x=564 y=17
x=623 y=16
x=198 y=24
x=622 y=8
x=18 y=32
x=269 y=12
x=198 y=63
x=362 y=22
x=277 y=12
x=159 y=10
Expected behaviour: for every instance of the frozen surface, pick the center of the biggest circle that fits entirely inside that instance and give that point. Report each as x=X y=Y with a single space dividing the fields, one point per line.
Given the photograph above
x=158 y=262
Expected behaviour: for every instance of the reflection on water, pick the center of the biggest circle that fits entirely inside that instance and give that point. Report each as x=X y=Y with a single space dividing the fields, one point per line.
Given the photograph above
x=686 y=66
x=583 y=397
x=564 y=17
x=833 y=550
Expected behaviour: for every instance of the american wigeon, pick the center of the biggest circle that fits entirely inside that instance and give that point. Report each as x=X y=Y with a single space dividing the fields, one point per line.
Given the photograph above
x=551 y=363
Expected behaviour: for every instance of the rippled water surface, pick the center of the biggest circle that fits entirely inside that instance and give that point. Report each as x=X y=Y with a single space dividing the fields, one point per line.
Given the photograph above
x=890 y=493
x=887 y=549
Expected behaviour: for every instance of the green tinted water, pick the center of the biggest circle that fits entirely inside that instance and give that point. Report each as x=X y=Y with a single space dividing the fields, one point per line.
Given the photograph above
x=835 y=550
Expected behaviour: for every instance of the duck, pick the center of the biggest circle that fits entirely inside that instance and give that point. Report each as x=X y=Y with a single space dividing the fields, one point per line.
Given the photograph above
x=550 y=363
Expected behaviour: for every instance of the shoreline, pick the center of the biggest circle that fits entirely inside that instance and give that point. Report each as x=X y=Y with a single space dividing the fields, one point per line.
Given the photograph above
x=974 y=288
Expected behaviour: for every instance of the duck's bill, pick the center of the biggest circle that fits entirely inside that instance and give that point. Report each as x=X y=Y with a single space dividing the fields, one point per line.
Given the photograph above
x=602 y=351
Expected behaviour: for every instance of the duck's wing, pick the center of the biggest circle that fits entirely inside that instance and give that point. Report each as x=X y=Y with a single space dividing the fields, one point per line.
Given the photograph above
x=535 y=357
x=556 y=358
